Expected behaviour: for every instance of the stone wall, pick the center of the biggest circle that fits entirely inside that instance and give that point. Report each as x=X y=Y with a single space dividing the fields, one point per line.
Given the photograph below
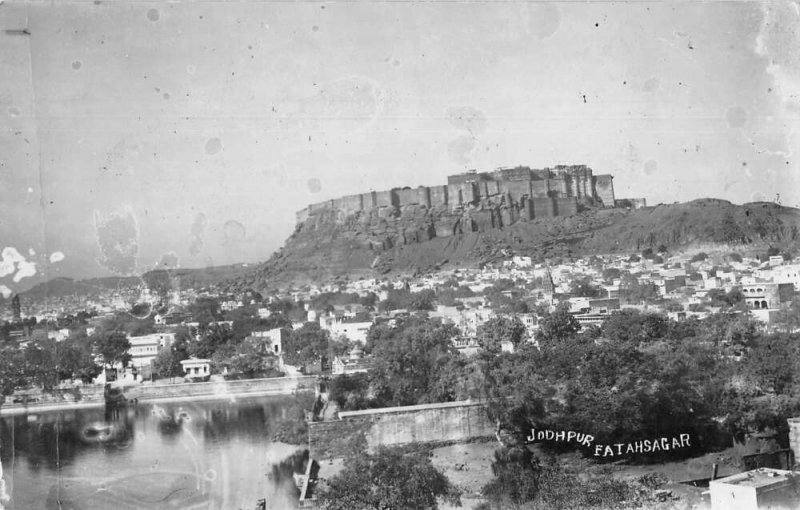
x=516 y=188
x=385 y=198
x=408 y=196
x=154 y=392
x=438 y=195
x=566 y=206
x=794 y=436
x=505 y=187
x=543 y=207
x=349 y=204
x=395 y=426
x=540 y=189
x=604 y=187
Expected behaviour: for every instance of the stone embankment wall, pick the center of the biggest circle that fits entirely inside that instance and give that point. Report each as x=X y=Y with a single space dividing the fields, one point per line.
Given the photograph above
x=222 y=389
x=93 y=395
x=395 y=426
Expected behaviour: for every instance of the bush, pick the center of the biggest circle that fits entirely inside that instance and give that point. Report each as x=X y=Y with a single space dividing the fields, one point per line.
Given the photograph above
x=699 y=257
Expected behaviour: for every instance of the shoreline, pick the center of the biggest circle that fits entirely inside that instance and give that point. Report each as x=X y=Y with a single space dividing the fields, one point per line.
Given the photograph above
x=67 y=406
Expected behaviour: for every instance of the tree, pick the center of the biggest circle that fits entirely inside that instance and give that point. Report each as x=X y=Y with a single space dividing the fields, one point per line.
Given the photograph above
x=167 y=362
x=516 y=478
x=350 y=391
x=635 y=326
x=205 y=310
x=583 y=287
x=12 y=371
x=212 y=338
x=387 y=479
x=634 y=292
x=409 y=358
x=251 y=360
x=75 y=358
x=611 y=273
x=788 y=319
x=699 y=257
x=306 y=346
x=113 y=346
x=40 y=363
x=557 y=326
x=773 y=361
x=497 y=330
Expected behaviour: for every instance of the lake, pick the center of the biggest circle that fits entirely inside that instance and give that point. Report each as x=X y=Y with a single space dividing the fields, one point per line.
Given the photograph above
x=215 y=454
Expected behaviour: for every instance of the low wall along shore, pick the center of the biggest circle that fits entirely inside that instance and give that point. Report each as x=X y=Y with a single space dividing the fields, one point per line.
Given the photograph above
x=395 y=426
x=90 y=396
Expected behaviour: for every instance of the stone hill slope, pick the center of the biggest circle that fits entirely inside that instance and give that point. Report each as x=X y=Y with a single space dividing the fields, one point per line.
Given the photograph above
x=416 y=238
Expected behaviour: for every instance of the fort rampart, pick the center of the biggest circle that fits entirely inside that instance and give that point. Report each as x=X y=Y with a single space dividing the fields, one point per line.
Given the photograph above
x=527 y=193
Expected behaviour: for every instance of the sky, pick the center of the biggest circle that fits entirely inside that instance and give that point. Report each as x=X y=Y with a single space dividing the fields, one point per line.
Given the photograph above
x=136 y=134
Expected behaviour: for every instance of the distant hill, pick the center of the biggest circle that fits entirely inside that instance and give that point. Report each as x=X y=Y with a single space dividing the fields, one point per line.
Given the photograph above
x=67 y=287
x=418 y=238
x=169 y=279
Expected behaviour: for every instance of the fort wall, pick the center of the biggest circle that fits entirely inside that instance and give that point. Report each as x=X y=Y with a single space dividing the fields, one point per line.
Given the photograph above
x=540 y=189
x=543 y=207
x=517 y=189
x=349 y=204
x=407 y=196
x=604 y=185
x=463 y=193
x=566 y=206
x=385 y=198
x=520 y=173
x=438 y=195
x=369 y=200
x=526 y=194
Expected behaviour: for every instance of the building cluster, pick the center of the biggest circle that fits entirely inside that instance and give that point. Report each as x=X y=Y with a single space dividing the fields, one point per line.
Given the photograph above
x=680 y=286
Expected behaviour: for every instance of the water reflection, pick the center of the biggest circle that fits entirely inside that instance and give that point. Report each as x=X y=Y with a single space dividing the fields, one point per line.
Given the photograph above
x=116 y=429
x=171 y=422
x=212 y=454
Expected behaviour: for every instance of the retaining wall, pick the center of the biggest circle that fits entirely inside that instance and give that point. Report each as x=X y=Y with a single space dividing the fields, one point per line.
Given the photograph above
x=395 y=426
x=93 y=394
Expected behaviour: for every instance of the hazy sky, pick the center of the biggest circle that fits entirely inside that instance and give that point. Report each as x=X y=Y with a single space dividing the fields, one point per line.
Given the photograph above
x=199 y=128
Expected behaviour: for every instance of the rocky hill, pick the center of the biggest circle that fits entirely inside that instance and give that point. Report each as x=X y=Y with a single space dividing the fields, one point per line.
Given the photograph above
x=416 y=238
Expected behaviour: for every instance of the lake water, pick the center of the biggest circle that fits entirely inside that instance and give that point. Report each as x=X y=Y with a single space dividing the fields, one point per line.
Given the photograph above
x=177 y=455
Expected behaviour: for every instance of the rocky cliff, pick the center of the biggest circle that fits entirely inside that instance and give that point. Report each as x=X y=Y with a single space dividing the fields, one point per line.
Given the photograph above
x=417 y=238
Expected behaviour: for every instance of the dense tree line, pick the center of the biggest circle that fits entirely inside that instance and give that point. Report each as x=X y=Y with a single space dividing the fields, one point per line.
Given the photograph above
x=639 y=376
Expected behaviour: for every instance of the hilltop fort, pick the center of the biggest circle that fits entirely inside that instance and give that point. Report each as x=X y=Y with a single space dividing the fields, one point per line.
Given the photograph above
x=476 y=217
x=493 y=199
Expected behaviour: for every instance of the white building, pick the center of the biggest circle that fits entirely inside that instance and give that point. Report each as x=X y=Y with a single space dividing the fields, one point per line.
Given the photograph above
x=789 y=273
x=144 y=348
x=753 y=490
x=273 y=339
x=352 y=364
x=196 y=368
x=353 y=331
